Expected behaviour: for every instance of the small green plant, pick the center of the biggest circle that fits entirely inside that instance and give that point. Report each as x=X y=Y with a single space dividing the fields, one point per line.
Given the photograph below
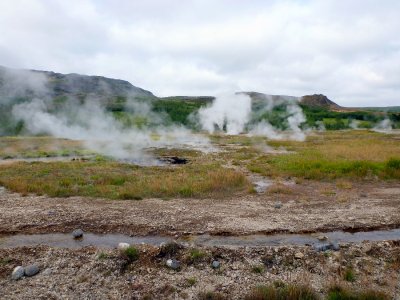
x=349 y=275
x=5 y=261
x=211 y=296
x=191 y=281
x=102 y=256
x=130 y=254
x=257 y=269
x=196 y=255
x=337 y=292
x=282 y=291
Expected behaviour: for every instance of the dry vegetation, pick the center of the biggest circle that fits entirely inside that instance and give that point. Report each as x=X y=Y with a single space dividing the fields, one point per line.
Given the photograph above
x=342 y=156
x=34 y=147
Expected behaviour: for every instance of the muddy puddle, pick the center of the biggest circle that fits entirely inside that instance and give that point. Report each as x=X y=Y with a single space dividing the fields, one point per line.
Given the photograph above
x=62 y=240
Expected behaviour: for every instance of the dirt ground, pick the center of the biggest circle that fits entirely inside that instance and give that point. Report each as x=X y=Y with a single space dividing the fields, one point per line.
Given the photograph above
x=306 y=207
x=88 y=273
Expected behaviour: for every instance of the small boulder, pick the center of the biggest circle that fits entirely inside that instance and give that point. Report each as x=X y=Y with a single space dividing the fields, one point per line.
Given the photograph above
x=77 y=233
x=322 y=238
x=173 y=264
x=31 y=270
x=123 y=246
x=215 y=264
x=17 y=273
x=278 y=205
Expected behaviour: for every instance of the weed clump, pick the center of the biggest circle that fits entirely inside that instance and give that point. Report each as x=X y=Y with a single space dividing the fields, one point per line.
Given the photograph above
x=282 y=291
x=349 y=275
x=338 y=292
x=211 y=296
x=130 y=254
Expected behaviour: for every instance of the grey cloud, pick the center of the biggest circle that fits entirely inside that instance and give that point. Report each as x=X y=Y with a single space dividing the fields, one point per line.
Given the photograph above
x=348 y=50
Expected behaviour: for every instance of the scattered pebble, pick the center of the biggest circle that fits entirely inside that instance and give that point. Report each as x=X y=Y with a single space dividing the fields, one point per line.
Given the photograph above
x=173 y=264
x=31 y=270
x=215 y=264
x=77 y=233
x=17 y=273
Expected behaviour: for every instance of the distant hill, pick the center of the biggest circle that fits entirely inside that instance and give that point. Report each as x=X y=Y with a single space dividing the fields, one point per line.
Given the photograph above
x=319 y=100
x=33 y=83
x=60 y=90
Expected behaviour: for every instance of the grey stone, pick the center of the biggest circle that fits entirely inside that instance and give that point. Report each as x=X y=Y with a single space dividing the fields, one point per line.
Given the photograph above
x=77 y=233
x=327 y=246
x=278 y=205
x=173 y=264
x=215 y=264
x=17 y=273
x=31 y=270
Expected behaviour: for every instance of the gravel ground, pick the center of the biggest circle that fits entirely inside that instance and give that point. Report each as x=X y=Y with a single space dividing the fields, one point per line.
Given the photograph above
x=91 y=273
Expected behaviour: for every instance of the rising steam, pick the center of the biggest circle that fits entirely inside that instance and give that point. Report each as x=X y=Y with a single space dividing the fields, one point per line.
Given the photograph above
x=233 y=114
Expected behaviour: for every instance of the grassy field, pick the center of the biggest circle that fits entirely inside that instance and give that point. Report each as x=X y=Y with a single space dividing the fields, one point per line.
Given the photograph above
x=357 y=154
x=34 y=147
x=120 y=181
x=331 y=155
x=342 y=156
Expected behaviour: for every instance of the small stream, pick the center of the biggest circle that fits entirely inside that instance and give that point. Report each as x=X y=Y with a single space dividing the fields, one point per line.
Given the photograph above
x=109 y=241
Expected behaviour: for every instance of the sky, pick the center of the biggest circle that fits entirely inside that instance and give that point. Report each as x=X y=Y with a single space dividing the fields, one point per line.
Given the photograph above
x=348 y=50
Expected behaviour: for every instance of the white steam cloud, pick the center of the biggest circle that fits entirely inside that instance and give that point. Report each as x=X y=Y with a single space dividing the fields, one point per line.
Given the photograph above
x=233 y=114
x=385 y=126
x=102 y=133
x=228 y=112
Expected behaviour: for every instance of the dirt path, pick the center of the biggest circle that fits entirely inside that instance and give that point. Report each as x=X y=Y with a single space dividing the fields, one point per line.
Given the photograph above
x=310 y=206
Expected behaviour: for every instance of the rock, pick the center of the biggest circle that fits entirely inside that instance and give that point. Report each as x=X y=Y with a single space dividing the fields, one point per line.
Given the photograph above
x=17 y=273
x=299 y=255
x=278 y=205
x=322 y=238
x=173 y=264
x=31 y=270
x=328 y=246
x=77 y=233
x=215 y=264
x=123 y=246
x=321 y=247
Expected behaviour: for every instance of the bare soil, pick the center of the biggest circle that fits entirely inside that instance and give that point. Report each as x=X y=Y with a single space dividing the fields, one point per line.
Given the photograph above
x=307 y=207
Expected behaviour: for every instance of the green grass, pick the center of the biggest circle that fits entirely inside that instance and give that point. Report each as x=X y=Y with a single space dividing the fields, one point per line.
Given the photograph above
x=114 y=180
x=331 y=155
x=349 y=275
x=282 y=292
x=130 y=254
x=257 y=269
x=196 y=255
x=337 y=292
x=38 y=147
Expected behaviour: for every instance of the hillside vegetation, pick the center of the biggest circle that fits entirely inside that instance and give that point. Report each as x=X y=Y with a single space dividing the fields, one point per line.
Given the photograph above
x=121 y=98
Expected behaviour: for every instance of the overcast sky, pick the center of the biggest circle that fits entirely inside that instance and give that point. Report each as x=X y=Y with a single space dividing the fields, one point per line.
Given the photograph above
x=347 y=50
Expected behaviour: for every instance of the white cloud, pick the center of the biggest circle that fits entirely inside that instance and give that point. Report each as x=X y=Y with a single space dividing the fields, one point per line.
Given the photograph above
x=348 y=50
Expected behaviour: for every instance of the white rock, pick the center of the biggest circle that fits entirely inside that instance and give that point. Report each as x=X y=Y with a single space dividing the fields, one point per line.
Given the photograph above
x=123 y=246
x=299 y=255
x=17 y=273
